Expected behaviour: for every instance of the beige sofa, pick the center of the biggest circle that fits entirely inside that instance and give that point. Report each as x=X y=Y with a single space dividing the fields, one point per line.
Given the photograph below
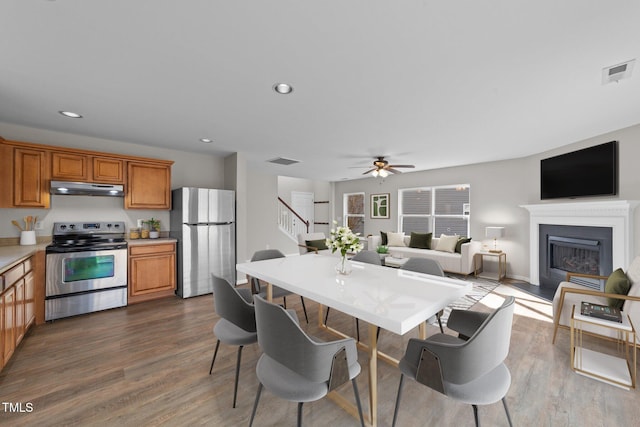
x=461 y=263
x=569 y=294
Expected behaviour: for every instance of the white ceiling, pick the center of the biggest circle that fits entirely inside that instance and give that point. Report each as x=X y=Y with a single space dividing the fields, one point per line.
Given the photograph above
x=432 y=83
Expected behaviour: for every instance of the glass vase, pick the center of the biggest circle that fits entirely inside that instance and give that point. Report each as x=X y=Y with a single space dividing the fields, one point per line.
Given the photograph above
x=343 y=266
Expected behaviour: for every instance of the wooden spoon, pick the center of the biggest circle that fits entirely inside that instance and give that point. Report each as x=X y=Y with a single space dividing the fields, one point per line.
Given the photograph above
x=27 y=221
x=14 y=222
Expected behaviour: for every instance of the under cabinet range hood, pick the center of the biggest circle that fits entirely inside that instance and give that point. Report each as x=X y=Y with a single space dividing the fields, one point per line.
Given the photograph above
x=86 y=189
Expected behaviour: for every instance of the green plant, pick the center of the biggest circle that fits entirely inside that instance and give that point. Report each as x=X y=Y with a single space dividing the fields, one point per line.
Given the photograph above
x=154 y=224
x=382 y=249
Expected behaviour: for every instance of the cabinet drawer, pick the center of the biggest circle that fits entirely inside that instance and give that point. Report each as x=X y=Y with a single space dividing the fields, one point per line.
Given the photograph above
x=28 y=265
x=151 y=249
x=13 y=275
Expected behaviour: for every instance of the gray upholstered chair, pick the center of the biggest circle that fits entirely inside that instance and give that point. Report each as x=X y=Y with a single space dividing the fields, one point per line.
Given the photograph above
x=368 y=257
x=426 y=266
x=237 y=324
x=294 y=366
x=277 y=292
x=470 y=367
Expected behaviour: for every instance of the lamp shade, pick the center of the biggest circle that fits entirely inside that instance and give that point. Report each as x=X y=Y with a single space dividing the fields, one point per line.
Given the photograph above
x=494 y=232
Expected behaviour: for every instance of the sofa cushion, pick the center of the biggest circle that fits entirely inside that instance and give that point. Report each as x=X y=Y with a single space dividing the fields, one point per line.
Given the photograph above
x=318 y=244
x=395 y=239
x=420 y=240
x=460 y=242
x=447 y=243
x=633 y=273
x=617 y=283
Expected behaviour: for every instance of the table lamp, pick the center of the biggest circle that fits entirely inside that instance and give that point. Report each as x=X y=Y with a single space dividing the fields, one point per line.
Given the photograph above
x=494 y=232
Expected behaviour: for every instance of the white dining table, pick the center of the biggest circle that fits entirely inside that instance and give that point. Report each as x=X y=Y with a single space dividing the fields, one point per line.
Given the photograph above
x=394 y=299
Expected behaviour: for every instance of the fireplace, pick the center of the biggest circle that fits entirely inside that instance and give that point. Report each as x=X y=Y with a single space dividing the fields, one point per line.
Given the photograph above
x=574 y=249
x=615 y=215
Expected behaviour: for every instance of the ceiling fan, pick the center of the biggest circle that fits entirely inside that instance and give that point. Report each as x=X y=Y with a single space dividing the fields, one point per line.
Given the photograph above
x=381 y=168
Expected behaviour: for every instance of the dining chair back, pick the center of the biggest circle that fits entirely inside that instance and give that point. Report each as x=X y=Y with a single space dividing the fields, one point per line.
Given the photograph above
x=426 y=266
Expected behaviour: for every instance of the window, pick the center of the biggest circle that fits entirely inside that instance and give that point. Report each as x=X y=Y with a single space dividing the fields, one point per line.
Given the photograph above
x=441 y=210
x=353 y=209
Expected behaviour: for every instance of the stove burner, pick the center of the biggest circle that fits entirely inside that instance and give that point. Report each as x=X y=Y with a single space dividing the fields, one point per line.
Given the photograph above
x=86 y=236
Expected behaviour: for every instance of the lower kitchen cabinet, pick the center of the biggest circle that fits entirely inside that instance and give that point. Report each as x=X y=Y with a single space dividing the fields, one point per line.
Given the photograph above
x=152 y=271
x=17 y=307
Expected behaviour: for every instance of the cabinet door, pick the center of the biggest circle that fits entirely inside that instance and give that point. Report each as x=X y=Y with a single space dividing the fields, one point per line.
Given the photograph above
x=29 y=178
x=69 y=166
x=29 y=299
x=152 y=273
x=148 y=186
x=108 y=170
x=19 y=311
x=8 y=326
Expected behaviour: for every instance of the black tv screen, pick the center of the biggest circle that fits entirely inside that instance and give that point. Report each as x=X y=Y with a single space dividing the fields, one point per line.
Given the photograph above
x=591 y=171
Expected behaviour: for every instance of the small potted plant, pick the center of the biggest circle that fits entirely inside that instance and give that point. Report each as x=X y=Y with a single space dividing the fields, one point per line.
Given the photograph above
x=154 y=228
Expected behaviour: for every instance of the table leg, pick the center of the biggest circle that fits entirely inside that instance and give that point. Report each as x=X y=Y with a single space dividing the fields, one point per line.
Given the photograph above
x=269 y=292
x=422 y=330
x=373 y=374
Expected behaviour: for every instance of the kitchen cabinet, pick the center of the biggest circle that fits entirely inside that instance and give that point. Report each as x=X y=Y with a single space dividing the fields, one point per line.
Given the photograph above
x=28 y=169
x=152 y=271
x=148 y=186
x=68 y=166
x=24 y=170
x=17 y=307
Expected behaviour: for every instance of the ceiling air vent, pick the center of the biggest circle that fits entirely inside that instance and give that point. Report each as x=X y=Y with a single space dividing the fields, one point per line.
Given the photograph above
x=283 y=161
x=618 y=72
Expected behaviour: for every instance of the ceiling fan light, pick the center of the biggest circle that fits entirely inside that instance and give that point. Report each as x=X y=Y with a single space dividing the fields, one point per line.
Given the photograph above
x=375 y=173
x=383 y=173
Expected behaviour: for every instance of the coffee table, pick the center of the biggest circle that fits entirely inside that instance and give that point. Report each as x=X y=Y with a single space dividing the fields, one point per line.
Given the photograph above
x=392 y=261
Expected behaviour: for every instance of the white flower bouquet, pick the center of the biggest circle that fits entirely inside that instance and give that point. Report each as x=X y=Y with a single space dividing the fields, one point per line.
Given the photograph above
x=344 y=240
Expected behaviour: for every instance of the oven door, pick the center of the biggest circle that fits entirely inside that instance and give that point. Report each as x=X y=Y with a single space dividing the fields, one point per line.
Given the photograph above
x=73 y=272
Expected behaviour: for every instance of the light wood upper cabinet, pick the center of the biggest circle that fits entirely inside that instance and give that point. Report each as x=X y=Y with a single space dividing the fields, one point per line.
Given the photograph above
x=108 y=170
x=26 y=170
x=29 y=178
x=69 y=166
x=148 y=186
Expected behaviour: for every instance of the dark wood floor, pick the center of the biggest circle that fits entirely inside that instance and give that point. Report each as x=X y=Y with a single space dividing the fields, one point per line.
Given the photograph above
x=147 y=365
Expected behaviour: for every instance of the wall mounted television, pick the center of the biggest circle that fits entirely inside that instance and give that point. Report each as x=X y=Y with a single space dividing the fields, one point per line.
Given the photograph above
x=592 y=171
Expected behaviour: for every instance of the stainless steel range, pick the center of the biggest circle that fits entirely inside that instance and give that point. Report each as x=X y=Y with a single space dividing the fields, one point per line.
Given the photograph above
x=86 y=268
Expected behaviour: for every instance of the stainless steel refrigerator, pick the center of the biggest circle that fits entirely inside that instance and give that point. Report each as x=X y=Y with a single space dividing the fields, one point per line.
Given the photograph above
x=203 y=221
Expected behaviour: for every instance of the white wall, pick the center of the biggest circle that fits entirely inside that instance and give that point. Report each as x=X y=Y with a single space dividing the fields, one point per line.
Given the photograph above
x=497 y=191
x=189 y=170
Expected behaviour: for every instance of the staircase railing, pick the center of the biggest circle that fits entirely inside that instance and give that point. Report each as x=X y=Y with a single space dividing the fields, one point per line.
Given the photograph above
x=290 y=222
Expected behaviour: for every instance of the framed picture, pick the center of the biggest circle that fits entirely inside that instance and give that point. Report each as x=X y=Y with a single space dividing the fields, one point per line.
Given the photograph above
x=380 y=206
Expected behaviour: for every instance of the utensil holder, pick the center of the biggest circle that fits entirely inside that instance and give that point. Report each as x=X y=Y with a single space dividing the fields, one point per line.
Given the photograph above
x=28 y=237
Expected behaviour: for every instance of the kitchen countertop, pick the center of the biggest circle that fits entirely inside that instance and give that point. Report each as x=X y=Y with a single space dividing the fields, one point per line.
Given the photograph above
x=11 y=255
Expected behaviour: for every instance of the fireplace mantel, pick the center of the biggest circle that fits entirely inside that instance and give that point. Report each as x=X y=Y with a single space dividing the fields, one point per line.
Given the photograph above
x=617 y=214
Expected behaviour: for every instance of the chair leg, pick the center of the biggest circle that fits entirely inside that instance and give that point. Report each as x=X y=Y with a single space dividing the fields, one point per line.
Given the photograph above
x=284 y=302
x=357 y=395
x=395 y=412
x=357 y=330
x=235 y=387
x=255 y=404
x=304 y=308
x=326 y=316
x=506 y=410
x=440 y=323
x=299 y=414
x=475 y=415
x=215 y=353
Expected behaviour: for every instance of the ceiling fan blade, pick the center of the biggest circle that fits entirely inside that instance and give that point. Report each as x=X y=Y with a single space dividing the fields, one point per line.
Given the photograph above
x=369 y=171
x=392 y=170
x=401 y=166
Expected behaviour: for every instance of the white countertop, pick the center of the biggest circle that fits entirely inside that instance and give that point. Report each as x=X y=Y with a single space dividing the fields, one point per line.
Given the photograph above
x=159 y=240
x=11 y=255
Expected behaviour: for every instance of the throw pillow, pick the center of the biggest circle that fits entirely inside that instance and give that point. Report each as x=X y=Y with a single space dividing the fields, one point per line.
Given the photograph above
x=617 y=283
x=383 y=238
x=318 y=244
x=447 y=243
x=420 y=240
x=395 y=239
x=461 y=241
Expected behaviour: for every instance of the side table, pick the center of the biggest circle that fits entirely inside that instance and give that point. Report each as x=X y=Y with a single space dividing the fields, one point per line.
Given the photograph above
x=619 y=370
x=478 y=264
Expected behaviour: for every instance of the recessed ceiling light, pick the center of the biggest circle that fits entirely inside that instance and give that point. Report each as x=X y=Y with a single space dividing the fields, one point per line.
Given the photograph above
x=283 y=88
x=207 y=140
x=71 y=114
